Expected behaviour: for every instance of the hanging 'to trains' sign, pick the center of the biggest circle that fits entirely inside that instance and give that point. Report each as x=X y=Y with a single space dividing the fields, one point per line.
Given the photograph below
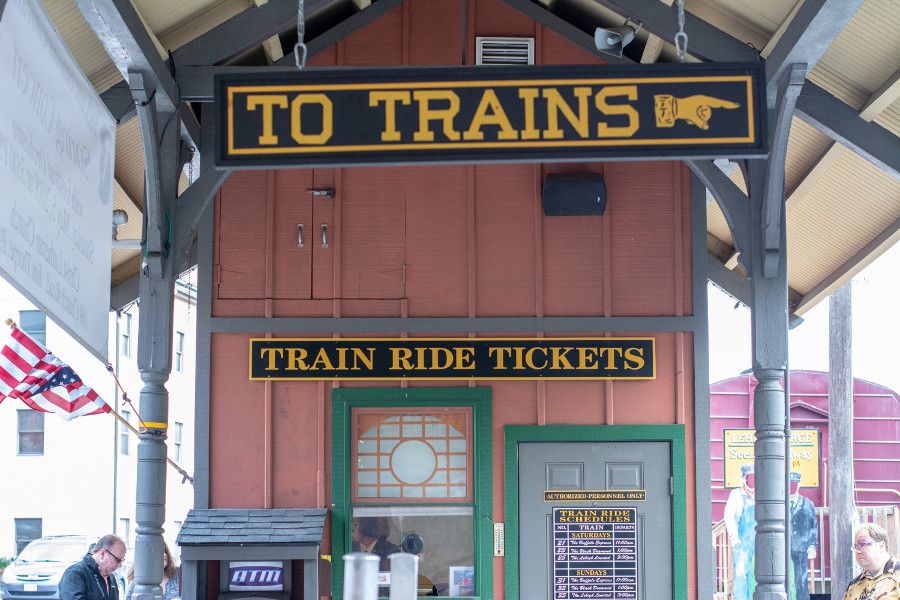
x=489 y=114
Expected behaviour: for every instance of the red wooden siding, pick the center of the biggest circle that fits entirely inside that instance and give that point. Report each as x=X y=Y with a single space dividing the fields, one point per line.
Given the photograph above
x=454 y=240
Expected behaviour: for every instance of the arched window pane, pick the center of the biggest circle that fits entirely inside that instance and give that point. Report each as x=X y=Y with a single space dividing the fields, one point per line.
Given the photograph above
x=411 y=453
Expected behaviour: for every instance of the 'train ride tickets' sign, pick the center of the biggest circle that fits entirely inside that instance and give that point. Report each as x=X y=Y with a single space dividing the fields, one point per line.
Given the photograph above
x=473 y=114
x=452 y=358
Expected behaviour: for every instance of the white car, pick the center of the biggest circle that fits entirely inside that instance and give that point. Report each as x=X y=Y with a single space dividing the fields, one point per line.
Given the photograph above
x=36 y=571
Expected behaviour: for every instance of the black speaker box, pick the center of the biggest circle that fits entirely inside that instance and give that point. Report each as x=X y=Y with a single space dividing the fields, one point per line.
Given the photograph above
x=573 y=194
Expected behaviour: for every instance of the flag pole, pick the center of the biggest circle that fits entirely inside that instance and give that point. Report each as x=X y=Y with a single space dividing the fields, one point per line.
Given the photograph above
x=171 y=462
x=184 y=474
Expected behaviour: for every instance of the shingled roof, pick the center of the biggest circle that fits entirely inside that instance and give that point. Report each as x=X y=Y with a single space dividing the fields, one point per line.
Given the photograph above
x=234 y=526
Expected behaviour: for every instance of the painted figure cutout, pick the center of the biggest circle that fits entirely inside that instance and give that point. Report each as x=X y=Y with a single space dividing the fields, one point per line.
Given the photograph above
x=740 y=522
x=804 y=538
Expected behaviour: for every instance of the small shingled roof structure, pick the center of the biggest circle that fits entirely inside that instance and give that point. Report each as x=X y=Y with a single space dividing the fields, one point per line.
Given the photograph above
x=251 y=534
x=235 y=526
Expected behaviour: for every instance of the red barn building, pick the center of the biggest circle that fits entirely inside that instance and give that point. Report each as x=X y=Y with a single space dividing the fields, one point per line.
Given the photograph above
x=876 y=455
x=876 y=433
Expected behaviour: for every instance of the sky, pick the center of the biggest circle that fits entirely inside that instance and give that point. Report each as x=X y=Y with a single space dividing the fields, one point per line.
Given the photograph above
x=875 y=305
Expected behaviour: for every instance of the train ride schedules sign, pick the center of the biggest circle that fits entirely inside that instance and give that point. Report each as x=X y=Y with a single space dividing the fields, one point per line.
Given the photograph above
x=805 y=455
x=407 y=115
x=452 y=358
x=595 y=553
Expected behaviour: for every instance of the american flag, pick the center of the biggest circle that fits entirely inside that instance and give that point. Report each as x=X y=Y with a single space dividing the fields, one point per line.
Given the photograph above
x=31 y=373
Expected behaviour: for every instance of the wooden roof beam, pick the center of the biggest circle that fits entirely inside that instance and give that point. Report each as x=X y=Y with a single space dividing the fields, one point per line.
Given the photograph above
x=808 y=35
x=705 y=41
x=131 y=46
x=841 y=123
x=581 y=38
x=886 y=95
x=241 y=32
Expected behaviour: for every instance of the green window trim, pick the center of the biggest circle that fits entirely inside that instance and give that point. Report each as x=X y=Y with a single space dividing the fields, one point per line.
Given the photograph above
x=674 y=434
x=479 y=400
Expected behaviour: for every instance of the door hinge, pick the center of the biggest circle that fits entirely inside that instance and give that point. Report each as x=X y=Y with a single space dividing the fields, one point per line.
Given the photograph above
x=216 y=275
x=671 y=486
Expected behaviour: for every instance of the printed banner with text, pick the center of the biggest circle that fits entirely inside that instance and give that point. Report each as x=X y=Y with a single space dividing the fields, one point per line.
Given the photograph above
x=57 y=147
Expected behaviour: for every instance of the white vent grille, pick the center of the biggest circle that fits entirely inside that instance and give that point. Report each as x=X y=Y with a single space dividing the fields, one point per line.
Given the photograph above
x=504 y=51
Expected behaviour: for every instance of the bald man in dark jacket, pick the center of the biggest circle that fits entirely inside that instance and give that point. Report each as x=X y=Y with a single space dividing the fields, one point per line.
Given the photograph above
x=92 y=578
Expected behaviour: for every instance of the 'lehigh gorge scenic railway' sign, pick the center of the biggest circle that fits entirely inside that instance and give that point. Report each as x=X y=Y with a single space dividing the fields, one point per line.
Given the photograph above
x=452 y=358
x=479 y=114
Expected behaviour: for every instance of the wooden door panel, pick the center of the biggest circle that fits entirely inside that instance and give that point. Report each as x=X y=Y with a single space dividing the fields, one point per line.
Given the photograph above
x=373 y=222
x=291 y=261
x=241 y=219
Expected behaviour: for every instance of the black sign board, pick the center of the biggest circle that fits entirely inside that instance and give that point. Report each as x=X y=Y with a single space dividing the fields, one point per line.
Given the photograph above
x=453 y=358
x=595 y=553
x=398 y=115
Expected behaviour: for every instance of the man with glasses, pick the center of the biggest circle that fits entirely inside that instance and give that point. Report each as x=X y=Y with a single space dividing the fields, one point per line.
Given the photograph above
x=92 y=578
x=880 y=577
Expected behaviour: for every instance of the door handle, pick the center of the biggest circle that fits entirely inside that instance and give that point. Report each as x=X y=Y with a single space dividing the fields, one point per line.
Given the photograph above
x=299 y=235
x=324 y=235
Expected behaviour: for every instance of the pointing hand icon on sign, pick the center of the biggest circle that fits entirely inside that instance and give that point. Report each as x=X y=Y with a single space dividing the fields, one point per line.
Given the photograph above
x=696 y=110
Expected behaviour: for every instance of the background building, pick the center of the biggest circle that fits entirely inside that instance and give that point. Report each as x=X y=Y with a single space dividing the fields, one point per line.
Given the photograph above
x=79 y=476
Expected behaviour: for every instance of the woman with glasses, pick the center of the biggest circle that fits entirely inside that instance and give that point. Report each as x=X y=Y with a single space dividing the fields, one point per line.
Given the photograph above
x=92 y=578
x=171 y=580
x=880 y=577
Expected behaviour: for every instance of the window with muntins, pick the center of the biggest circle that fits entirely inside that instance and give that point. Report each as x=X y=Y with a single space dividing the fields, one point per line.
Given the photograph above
x=126 y=335
x=34 y=323
x=179 y=352
x=177 y=433
x=412 y=484
x=30 y=429
x=406 y=454
x=27 y=530
x=125 y=531
x=124 y=442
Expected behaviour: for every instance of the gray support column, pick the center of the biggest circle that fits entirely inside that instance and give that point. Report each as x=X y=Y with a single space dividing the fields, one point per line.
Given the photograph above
x=189 y=574
x=160 y=136
x=769 y=338
x=204 y=328
x=842 y=510
x=703 y=504
x=310 y=577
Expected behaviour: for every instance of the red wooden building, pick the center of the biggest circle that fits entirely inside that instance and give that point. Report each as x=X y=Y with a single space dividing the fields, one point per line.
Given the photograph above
x=459 y=241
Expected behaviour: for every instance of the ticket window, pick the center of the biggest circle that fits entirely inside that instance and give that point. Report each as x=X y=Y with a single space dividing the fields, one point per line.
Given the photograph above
x=413 y=488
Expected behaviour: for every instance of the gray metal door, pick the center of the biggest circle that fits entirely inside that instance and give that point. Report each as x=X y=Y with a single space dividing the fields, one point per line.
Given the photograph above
x=577 y=551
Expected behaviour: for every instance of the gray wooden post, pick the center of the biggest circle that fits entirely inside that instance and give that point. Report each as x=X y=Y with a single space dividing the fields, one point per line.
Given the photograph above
x=841 y=512
x=189 y=574
x=162 y=160
x=769 y=324
x=769 y=339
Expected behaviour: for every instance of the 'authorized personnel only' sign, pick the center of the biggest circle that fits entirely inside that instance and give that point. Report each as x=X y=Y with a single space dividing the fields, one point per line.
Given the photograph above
x=472 y=114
